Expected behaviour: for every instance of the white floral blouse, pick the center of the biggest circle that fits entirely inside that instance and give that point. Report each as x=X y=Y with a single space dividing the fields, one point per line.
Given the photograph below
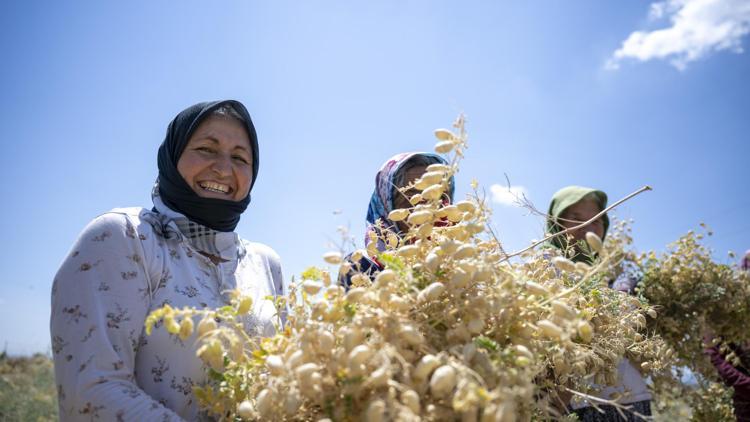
x=125 y=264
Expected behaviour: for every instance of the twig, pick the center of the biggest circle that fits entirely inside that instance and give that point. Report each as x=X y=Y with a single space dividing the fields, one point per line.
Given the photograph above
x=489 y=228
x=578 y=284
x=494 y=236
x=524 y=202
x=619 y=407
x=584 y=224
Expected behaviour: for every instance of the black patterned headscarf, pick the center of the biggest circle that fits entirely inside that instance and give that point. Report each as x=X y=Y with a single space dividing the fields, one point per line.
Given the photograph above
x=217 y=214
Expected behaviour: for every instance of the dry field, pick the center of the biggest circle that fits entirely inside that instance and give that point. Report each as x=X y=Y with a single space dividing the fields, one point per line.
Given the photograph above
x=27 y=389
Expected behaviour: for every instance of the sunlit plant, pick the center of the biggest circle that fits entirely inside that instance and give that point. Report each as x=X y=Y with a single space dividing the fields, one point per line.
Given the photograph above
x=452 y=328
x=697 y=298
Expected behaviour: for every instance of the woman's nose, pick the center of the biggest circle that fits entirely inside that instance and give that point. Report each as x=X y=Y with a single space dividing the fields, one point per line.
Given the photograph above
x=222 y=166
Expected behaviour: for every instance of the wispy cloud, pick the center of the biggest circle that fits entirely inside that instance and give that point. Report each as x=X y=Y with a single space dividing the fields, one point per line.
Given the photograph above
x=698 y=28
x=504 y=195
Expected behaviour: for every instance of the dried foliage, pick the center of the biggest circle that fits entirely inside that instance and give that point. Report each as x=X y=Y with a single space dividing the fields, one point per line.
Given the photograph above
x=697 y=300
x=695 y=295
x=449 y=330
x=27 y=389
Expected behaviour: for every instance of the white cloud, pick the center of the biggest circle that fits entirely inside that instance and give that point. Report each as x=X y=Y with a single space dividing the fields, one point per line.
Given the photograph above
x=503 y=195
x=698 y=28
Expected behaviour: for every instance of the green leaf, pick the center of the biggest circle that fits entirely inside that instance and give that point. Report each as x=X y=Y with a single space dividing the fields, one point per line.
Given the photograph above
x=312 y=273
x=391 y=261
x=214 y=375
x=350 y=309
x=226 y=309
x=486 y=343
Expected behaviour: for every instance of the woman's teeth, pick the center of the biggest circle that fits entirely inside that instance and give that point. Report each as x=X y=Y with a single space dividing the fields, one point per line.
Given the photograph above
x=214 y=187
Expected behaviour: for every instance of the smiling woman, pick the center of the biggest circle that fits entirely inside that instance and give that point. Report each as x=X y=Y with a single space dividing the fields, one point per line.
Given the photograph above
x=217 y=162
x=183 y=253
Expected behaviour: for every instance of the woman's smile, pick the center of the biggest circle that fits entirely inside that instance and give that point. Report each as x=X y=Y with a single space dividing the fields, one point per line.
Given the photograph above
x=217 y=161
x=214 y=187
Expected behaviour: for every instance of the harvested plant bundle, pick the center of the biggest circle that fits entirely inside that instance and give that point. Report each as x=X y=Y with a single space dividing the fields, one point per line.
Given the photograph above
x=693 y=296
x=451 y=329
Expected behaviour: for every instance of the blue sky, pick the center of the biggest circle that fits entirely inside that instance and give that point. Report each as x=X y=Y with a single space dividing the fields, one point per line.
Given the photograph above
x=613 y=95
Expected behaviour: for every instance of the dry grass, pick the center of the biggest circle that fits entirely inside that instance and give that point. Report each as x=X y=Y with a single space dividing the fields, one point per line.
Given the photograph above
x=27 y=388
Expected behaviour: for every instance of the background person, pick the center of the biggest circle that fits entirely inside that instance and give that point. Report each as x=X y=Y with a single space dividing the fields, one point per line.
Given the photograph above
x=571 y=206
x=397 y=172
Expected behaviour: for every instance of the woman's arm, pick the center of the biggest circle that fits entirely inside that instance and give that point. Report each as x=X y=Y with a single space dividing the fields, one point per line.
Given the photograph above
x=731 y=376
x=277 y=275
x=274 y=263
x=100 y=299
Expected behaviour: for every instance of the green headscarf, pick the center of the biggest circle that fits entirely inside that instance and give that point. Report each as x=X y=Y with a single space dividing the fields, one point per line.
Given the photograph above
x=563 y=199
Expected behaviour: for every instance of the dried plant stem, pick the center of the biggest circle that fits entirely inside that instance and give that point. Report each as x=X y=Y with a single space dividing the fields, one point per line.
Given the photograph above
x=524 y=202
x=578 y=284
x=620 y=407
x=584 y=224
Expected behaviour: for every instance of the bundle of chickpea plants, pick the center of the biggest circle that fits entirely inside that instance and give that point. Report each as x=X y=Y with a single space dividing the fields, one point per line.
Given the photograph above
x=700 y=303
x=693 y=297
x=696 y=297
x=452 y=329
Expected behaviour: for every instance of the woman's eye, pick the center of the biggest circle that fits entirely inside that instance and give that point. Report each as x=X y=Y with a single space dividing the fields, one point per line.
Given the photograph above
x=204 y=149
x=240 y=158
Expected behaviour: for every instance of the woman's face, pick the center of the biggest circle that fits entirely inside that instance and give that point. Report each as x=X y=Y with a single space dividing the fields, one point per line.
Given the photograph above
x=580 y=212
x=401 y=199
x=218 y=160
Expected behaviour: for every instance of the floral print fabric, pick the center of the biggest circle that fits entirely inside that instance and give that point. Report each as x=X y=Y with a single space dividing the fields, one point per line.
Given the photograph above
x=125 y=264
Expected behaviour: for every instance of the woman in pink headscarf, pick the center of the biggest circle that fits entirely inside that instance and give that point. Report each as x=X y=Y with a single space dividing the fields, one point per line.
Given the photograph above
x=397 y=172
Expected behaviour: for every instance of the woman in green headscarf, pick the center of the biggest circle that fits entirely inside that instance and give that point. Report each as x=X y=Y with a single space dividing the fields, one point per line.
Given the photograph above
x=570 y=207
